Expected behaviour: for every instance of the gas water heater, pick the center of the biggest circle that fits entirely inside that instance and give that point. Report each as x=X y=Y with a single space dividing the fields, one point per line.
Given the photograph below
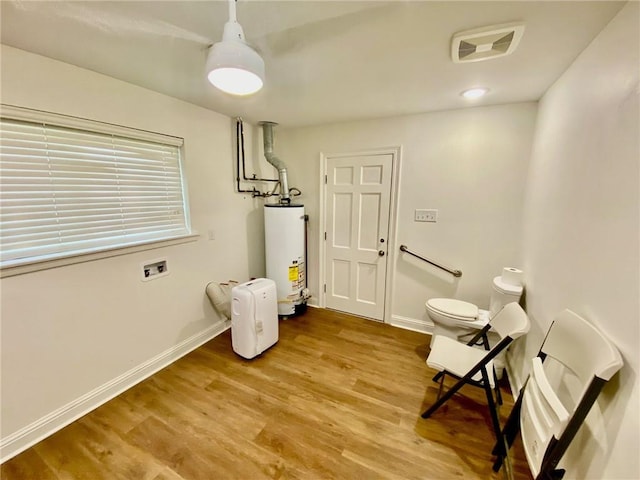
x=284 y=228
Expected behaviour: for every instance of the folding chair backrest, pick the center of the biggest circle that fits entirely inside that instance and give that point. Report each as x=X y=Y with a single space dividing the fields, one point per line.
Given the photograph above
x=511 y=321
x=543 y=416
x=547 y=425
x=581 y=348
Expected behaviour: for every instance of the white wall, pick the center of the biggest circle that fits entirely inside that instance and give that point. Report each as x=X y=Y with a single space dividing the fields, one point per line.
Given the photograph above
x=469 y=164
x=581 y=230
x=67 y=332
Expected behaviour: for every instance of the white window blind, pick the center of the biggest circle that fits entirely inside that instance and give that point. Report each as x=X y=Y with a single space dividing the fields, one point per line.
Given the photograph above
x=66 y=191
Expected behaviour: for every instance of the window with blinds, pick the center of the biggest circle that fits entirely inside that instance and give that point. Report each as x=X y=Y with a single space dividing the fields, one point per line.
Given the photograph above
x=66 y=190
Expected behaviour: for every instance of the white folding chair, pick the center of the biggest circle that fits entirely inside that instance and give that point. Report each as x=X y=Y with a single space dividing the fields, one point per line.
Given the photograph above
x=548 y=425
x=472 y=365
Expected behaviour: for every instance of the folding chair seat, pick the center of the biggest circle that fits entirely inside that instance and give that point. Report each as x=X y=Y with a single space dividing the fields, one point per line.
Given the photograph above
x=480 y=339
x=473 y=366
x=575 y=349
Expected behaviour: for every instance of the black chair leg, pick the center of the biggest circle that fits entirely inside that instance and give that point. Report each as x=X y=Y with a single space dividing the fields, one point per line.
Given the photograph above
x=509 y=433
x=450 y=393
x=492 y=405
x=441 y=384
x=498 y=394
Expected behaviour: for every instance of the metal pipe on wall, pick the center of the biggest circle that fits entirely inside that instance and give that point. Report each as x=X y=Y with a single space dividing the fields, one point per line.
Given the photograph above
x=267 y=131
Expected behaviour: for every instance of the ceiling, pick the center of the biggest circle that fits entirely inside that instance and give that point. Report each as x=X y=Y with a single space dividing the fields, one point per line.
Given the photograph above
x=326 y=61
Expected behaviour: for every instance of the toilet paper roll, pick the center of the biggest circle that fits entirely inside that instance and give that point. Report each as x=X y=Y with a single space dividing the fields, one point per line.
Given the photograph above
x=512 y=276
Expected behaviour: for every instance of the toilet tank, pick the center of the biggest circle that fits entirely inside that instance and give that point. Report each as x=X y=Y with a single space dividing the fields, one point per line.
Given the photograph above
x=502 y=294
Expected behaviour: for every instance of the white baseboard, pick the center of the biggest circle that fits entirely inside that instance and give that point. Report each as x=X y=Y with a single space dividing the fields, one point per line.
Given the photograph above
x=24 y=438
x=422 y=326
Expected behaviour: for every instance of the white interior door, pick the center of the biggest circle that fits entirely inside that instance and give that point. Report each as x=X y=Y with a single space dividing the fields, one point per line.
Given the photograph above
x=357 y=200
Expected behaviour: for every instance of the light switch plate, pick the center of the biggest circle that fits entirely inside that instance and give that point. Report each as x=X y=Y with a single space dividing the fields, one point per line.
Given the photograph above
x=422 y=215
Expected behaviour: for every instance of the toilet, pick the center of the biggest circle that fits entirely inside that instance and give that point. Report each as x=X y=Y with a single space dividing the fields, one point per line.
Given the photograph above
x=456 y=318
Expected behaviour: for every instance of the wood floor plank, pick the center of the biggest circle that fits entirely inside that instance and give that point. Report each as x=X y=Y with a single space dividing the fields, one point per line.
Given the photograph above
x=338 y=397
x=311 y=447
x=80 y=452
x=30 y=465
x=119 y=415
x=168 y=474
x=175 y=448
x=115 y=454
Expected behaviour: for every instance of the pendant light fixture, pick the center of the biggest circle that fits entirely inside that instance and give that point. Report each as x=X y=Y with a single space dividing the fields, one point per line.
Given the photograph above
x=232 y=65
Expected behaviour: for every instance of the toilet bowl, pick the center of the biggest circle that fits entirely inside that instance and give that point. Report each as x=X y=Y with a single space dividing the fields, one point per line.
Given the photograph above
x=456 y=318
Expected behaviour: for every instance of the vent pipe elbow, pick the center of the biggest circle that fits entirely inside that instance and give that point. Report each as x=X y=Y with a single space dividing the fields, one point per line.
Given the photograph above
x=267 y=136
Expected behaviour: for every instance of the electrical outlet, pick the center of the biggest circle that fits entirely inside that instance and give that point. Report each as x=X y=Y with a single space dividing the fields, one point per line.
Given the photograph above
x=426 y=216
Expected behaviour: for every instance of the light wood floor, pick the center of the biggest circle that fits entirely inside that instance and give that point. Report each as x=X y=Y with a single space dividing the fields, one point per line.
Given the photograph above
x=337 y=397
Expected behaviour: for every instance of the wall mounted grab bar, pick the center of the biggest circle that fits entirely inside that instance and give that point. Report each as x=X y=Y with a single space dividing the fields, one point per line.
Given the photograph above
x=455 y=273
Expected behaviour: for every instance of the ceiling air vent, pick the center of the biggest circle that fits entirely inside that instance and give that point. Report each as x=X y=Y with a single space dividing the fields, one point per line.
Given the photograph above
x=486 y=42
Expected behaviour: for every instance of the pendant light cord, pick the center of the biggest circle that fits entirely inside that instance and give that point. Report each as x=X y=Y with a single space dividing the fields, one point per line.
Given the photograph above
x=232 y=11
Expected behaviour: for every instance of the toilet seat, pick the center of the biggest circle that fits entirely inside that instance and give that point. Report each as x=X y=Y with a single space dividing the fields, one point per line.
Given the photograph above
x=454 y=309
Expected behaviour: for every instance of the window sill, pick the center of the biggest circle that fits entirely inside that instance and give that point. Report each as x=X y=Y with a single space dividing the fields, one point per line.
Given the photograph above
x=45 y=264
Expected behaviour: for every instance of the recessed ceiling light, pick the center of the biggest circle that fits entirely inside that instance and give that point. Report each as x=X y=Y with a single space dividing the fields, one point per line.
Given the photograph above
x=474 y=93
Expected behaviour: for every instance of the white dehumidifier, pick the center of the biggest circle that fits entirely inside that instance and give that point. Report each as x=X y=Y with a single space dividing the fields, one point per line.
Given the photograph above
x=254 y=317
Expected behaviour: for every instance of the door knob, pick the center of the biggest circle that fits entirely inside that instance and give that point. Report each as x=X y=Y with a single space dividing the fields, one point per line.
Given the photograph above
x=381 y=253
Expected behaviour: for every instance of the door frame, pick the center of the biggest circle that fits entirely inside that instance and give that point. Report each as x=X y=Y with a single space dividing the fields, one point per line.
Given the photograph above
x=396 y=162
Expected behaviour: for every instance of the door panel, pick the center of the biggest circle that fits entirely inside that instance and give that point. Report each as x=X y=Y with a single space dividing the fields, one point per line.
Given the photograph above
x=358 y=193
x=342 y=219
x=369 y=228
x=340 y=275
x=366 y=289
x=343 y=176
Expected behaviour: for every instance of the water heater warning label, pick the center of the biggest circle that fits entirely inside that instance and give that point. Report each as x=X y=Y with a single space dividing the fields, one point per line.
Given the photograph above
x=293 y=273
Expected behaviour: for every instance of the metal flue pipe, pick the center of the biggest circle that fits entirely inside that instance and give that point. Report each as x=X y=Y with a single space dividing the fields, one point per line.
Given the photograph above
x=267 y=136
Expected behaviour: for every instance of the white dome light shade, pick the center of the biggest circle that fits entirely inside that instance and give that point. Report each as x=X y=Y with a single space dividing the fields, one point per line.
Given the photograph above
x=474 y=93
x=235 y=81
x=235 y=68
